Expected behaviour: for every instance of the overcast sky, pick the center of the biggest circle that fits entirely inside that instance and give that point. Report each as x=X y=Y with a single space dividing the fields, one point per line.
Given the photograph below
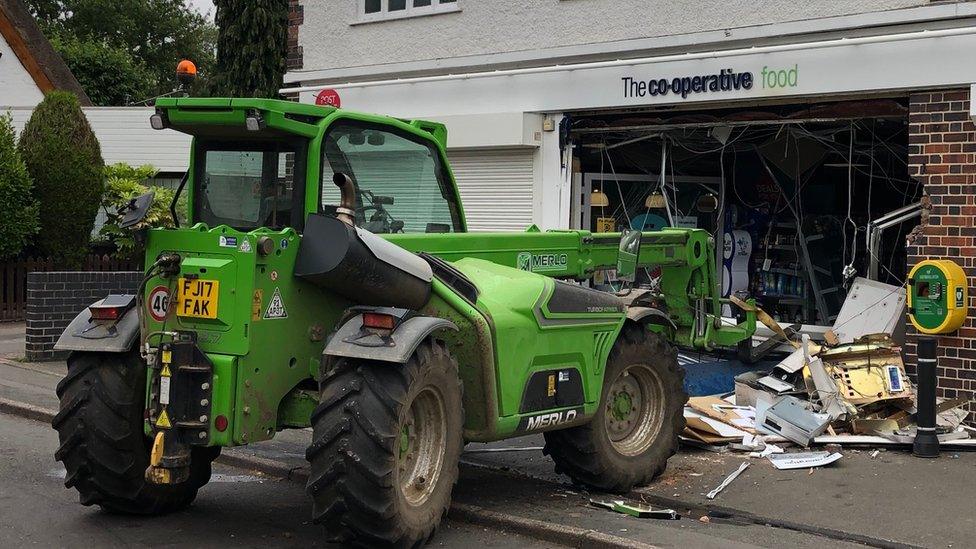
x=205 y=6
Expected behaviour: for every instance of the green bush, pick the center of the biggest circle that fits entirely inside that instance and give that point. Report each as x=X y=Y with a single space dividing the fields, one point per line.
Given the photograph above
x=19 y=220
x=65 y=161
x=122 y=184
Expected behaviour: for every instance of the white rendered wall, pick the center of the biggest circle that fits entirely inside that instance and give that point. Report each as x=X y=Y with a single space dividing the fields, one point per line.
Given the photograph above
x=17 y=88
x=332 y=39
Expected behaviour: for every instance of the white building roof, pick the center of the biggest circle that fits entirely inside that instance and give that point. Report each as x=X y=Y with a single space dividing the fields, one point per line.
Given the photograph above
x=126 y=136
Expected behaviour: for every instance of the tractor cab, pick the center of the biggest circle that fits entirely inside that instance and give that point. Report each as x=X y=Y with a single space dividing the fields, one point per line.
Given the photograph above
x=268 y=164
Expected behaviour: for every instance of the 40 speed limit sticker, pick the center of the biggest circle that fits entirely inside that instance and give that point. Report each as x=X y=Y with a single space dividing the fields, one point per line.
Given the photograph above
x=158 y=304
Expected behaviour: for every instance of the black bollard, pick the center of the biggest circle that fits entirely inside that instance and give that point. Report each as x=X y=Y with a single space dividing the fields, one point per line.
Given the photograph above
x=926 y=441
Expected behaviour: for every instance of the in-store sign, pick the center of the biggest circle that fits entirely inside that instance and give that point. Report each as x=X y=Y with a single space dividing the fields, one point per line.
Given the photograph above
x=726 y=80
x=606 y=224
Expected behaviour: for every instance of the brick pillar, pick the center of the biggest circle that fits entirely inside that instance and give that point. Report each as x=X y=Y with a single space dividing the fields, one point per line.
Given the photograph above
x=942 y=156
x=296 y=16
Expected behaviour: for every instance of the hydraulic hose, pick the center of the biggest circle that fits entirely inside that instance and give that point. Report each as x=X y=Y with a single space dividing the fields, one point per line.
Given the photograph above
x=166 y=265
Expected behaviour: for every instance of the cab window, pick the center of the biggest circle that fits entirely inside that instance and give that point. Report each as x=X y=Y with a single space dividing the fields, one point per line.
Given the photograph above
x=249 y=185
x=402 y=186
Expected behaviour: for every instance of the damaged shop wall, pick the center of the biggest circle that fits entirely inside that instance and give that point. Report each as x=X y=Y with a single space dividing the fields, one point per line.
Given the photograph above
x=942 y=156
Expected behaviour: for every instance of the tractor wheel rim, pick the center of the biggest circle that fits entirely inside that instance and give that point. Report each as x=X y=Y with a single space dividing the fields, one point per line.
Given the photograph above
x=634 y=409
x=421 y=445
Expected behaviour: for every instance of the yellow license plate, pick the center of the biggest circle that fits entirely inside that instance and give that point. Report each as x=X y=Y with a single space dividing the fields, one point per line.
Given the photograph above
x=197 y=298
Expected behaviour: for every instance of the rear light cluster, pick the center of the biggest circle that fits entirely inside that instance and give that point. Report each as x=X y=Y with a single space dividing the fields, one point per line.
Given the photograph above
x=112 y=307
x=106 y=313
x=379 y=321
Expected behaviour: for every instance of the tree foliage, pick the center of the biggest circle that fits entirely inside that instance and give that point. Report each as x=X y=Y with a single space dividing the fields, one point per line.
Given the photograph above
x=65 y=161
x=19 y=220
x=252 y=47
x=123 y=183
x=109 y=75
x=153 y=34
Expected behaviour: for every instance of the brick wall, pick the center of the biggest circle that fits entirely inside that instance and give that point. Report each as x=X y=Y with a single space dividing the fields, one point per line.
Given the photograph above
x=296 y=16
x=55 y=298
x=942 y=155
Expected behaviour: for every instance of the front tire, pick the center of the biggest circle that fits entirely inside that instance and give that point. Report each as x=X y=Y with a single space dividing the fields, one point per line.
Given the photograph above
x=103 y=448
x=385 y=447
x=635 y=430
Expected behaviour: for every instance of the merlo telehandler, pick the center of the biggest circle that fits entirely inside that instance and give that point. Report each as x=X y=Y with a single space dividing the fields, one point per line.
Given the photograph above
x=323 y=277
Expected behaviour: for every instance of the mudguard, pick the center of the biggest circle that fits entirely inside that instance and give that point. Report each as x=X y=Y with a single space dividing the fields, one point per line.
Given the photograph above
x=649 y=315
x=397 y=347
x=84 y=335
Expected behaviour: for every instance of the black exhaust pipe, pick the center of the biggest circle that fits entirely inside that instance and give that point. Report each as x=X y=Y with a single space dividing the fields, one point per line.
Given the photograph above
x=361 y=266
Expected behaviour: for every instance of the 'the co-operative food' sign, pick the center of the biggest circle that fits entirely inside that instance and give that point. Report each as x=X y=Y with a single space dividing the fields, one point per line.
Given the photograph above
x=726 y=80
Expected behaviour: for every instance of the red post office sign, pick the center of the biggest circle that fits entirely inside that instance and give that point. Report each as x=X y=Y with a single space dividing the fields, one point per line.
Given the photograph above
x=329 y=98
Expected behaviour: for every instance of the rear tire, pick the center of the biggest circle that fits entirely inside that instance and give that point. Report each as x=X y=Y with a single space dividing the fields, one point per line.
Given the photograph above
x=635 y=429
x=103 y=447
x=385 y=448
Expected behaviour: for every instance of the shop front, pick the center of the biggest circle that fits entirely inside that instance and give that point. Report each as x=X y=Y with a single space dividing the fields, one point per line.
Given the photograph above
x=804 y=159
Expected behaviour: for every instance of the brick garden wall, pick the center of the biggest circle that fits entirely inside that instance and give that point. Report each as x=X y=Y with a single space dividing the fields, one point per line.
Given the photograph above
x=942 y=156
x=55 y=298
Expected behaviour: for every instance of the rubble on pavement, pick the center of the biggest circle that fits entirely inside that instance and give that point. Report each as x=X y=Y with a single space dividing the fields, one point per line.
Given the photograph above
x=851 y=390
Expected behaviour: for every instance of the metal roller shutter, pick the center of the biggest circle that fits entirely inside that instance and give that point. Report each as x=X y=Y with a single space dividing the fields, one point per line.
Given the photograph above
x=496 y=187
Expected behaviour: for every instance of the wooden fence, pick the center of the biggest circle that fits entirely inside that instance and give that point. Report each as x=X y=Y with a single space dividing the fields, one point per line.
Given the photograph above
x=13 y=279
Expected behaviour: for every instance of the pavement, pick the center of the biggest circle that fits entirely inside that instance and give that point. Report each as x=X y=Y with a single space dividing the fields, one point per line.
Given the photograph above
x=12 y=340
x=892 y=500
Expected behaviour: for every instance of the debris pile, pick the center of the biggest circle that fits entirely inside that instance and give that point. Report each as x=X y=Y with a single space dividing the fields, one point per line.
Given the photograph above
x=853 y=389
x=856 y=393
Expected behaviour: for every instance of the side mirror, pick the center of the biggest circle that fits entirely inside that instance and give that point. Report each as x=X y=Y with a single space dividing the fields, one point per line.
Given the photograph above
x=628 y=254
x=136 y=210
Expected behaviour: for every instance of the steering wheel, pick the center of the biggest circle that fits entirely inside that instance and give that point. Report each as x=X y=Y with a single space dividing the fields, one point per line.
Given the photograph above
x=380 y=222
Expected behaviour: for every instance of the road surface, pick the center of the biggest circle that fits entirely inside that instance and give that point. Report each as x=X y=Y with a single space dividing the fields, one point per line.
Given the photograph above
x=237 y=509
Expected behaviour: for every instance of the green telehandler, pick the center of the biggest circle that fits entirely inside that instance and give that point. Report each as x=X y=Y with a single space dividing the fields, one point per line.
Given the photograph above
x=323 y=277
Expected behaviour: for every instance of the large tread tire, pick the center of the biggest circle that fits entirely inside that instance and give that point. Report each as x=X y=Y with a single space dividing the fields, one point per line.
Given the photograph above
x=586 y=453
x=356 y=444
x=103 y=447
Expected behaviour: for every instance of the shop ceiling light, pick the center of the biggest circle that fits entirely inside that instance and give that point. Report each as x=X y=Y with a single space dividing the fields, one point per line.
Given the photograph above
x=707 y=203
x=655 y=200
x=599 y=199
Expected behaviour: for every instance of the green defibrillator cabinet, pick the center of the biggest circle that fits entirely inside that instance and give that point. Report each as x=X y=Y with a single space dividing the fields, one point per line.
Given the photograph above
x=938 y=296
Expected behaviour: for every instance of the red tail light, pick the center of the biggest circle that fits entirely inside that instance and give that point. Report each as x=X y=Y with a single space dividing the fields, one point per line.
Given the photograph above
x=106 y=313
x=379 y=321
x=112 y=307
x=220 y=422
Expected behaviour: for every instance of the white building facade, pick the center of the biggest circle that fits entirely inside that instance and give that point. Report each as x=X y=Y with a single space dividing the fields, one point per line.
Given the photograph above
x=503 y=74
